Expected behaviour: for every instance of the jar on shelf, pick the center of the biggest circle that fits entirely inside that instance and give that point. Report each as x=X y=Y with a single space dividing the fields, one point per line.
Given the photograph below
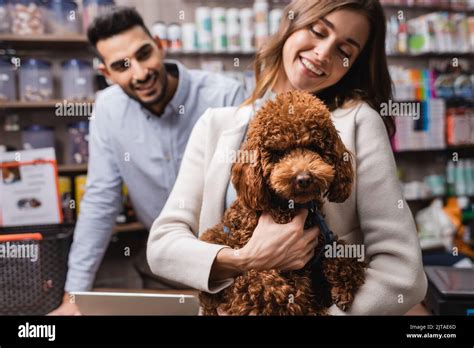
x=5 y=20
x=160 y=30
x=27 y=17
x=37 y=137
x=36 y=80
x=7 y=80
x=77 y=80
x=175 y=37
x=94 y=8
x=62 y=17
x=78 y=139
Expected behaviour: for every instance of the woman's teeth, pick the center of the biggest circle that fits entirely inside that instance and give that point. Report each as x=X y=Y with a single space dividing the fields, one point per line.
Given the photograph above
x=310 y=66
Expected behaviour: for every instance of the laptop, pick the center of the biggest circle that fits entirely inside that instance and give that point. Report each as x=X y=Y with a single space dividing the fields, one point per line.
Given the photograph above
x=125 y=303
x=450 y=290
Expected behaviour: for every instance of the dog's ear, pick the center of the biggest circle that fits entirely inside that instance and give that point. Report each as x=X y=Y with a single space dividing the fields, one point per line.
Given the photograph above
x=248 y=179
x=341 y=186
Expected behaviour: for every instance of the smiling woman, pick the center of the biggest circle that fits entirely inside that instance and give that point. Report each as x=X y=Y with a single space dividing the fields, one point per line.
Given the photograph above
x=335 y=49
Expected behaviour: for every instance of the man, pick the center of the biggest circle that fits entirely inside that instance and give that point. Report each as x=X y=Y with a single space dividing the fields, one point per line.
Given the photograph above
x=138 y=134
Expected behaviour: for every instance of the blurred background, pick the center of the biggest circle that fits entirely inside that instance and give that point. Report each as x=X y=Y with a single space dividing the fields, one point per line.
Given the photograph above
x=48 y=80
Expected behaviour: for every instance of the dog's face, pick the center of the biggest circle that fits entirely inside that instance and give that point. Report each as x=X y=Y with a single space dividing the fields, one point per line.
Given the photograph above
x=297 y=174
x=298 y=155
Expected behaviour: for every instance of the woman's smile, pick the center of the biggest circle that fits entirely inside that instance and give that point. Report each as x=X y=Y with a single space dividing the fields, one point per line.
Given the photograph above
x=310 y=69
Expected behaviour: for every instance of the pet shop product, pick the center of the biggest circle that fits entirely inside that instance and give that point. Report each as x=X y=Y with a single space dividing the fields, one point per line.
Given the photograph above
x=450 y=178
x=36 y=80
x=434 y=226
x=470 y=24
x=233 y=30
x=78 y=136
x=27 y=17
x=247 y=26
x=62 y=17
x=65 y=190
x=37 y=137
x=463 y=87
x=260 y=8
x=174 y=37
x=204 y=28
x=470 y=174
x=7 y=80
x=436 y=185
x=5 y=20
x=160 y=30
x=189 y=37
x=77 y=80
x=219 y=36
x=460 y=180
x=79 y=188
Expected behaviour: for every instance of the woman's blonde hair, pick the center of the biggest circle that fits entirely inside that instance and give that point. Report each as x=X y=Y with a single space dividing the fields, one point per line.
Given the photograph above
x=368 y=78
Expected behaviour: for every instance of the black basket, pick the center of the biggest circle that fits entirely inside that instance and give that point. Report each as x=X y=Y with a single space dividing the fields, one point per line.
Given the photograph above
x=29 y=287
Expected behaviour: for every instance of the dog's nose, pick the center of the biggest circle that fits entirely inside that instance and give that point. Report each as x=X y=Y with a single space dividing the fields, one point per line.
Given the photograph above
x=303 y=180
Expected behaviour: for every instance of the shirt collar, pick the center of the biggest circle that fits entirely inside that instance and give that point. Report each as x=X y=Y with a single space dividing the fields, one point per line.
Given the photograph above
x=182 y=90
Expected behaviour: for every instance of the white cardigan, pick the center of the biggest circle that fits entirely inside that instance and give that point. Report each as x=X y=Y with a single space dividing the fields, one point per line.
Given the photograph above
x=375 y=214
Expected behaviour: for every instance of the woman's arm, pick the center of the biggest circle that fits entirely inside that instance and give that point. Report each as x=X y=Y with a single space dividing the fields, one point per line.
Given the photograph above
x=395 y=280
x=174 y=251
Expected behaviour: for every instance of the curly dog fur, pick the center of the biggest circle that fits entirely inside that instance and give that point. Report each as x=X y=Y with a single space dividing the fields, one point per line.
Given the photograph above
x=298 y=157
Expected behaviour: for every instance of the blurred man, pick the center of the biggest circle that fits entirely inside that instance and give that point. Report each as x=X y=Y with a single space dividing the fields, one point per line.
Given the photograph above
x=138 y=134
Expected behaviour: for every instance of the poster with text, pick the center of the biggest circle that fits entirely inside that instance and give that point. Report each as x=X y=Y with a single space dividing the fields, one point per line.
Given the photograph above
x=29 y=188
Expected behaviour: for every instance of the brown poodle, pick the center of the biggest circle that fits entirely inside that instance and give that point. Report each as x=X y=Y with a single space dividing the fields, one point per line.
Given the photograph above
x=298 y=161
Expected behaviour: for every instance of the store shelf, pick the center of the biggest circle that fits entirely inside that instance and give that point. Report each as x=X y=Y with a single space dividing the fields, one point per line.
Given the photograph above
x=421 y=8
x=130 y=227
x=441 y=150
x=209 y=54
x=428 y=55
x=47 y=104
x=429 y=199
x=72 y=168
x=43 y=41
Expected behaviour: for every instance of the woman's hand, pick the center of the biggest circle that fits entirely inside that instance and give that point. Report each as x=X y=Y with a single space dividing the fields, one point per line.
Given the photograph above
x=285 y=247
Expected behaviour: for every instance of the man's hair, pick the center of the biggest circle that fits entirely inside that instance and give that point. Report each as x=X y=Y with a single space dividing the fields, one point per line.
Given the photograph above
x=114 y=22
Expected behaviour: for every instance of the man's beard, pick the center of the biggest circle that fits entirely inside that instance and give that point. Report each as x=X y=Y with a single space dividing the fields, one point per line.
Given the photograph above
x=159 y=98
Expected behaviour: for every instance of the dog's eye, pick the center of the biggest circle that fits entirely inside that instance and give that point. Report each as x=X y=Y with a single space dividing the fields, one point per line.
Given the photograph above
x=314 y=148
x=276 y=155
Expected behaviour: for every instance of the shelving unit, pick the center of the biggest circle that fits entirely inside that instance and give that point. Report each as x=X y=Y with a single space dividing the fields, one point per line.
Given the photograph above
x=130 y=227
x=50 y=104
x=427 y=8
x=53 y=42
x=72 y=168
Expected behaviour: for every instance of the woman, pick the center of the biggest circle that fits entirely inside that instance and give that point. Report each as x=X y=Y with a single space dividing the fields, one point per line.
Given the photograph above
x=336 y=50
